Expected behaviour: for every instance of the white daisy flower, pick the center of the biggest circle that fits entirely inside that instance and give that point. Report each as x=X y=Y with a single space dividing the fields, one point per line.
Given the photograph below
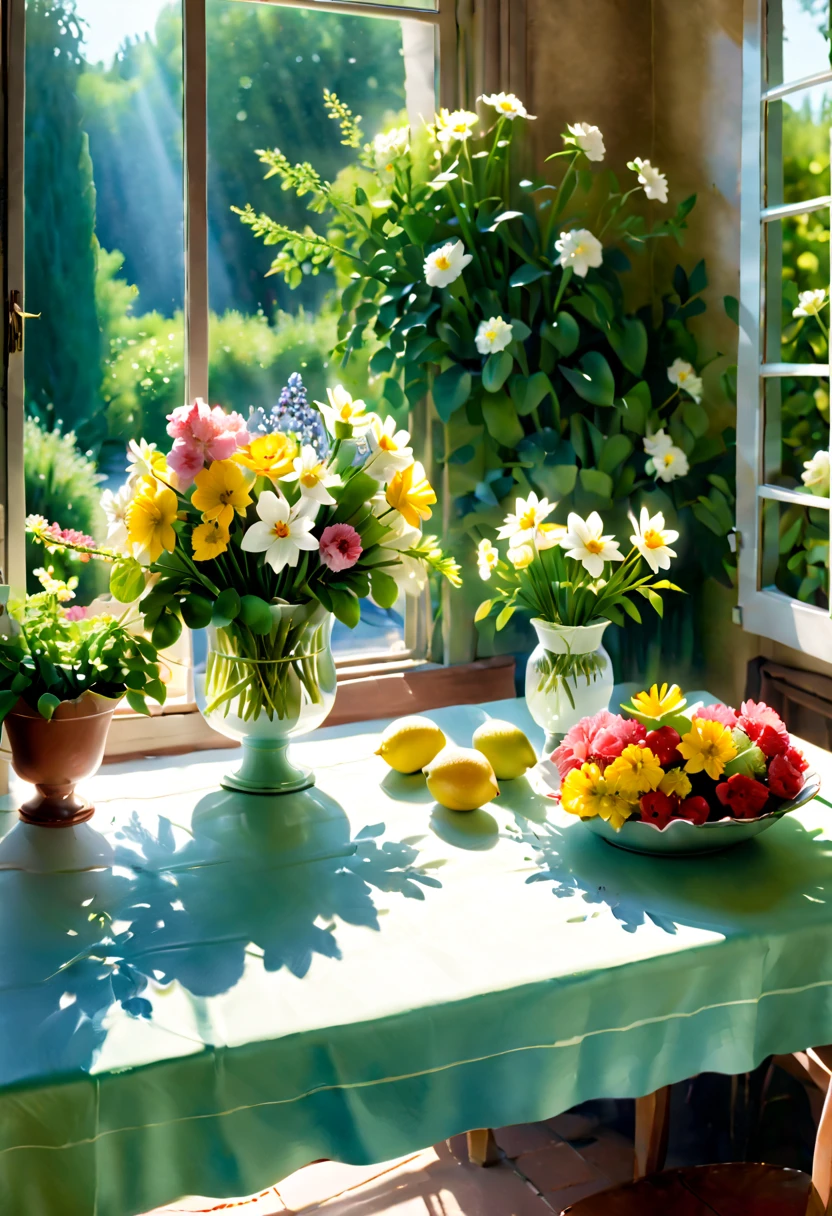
x=580 y=250
x=668 y=464
x=810 y=303
x=389 y=450
x=816 y=474
x=684 y=376
x=507 y=104
x=388 y=146
x=493 y=335
x=352 y=417
x=143 y=459
x=445 y=265
x=487 y=558
x=656 y=444
x=523 y=524
x=653 y=540
x=282 y=531
x=654 y=182
x=313 y=475
x=114 y=506
x=589 y=139
x=409 y=572
x=584 y=542
x=454 y=124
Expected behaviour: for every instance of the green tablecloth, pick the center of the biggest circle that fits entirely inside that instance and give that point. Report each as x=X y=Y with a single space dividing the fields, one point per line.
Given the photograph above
x=198 y=1001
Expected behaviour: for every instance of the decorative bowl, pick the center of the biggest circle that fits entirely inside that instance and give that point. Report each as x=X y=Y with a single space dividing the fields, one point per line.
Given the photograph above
x=680 y=837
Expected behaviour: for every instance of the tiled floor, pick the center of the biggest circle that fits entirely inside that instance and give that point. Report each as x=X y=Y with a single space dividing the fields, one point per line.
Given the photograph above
x=546 y=1166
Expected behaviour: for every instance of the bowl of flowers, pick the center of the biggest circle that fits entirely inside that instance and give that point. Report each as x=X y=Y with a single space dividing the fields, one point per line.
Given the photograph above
x=671 y=778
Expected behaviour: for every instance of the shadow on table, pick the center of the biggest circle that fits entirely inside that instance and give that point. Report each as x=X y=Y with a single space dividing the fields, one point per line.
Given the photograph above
x=780 y=877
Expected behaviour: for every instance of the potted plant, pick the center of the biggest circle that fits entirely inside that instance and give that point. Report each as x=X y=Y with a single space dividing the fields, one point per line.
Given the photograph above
x=62 y=675
x=263 y=530
x=574 y=580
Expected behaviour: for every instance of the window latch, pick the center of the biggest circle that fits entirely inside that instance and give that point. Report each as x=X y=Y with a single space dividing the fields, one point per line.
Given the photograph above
x=16 y=315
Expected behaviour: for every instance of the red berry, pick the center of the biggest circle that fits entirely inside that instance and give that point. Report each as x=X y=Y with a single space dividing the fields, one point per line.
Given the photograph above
x=694 y=809
x=657 y=807
x=784 y=779
x=662 y=744
x=743 y=796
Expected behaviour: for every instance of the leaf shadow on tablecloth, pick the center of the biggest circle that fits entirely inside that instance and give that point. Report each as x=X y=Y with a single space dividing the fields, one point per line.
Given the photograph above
x=112 y=922
x=781 y=877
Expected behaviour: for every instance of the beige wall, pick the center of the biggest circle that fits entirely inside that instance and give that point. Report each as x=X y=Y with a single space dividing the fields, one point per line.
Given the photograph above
x=662 y=79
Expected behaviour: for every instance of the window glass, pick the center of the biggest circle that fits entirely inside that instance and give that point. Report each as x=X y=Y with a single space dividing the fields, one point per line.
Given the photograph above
x=795 y=551
x=798 y=145
x=798 y=39
x=796 y=431
x=797 y=265
x=268 y=68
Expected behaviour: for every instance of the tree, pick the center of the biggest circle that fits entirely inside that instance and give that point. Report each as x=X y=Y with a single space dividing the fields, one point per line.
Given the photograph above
x=62 y=353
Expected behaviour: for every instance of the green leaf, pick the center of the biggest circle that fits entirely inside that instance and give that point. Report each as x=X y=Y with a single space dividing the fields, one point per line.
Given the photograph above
x=166 y=631
x=519 y=330
x=156 y=690
x=698 y=278
x=8 y=700
x=353 y=494
x=346 y=606
x=527 y=392
x=556 y=480
x=483 y=610
x=385 y=588
x=135 y=679
x=629 y=341
x=695 y=418
x=616 y=449
x=501 y=419
x=196 y=611
x=496 y=371
x=382 y=361
x=419 y=226
x=255 y=614
x=635 y=408
x=596 y=482
x=47 y=704
x=630 y=608
x=527 y=274
x=565 y=333
x=732 y=308
x=595 y=381
x=451 y=390
x=127 y=580
x=463 y=455
x=137 y=702
x=226 y=608
x=501 y=219
x=505 y=616
x=394 y=394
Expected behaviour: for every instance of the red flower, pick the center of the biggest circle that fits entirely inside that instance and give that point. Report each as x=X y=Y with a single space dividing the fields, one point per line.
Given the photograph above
x=694 y=809
x=662 y=744
x=770 y=741
x=784 y=779
x=718 y=713
x=762 y=724
x=743 y=796
x=796 y=759
x=657 y=807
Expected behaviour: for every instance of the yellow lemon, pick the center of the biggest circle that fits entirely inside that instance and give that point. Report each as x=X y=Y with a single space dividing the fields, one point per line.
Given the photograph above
x=461 y=779
x=506 y=747
x=408 y=744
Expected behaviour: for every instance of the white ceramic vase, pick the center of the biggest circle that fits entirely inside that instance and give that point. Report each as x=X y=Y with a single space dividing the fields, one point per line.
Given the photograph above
x=568 y=677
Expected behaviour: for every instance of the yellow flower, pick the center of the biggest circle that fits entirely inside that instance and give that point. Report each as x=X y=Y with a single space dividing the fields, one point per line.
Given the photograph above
x=707 y=747
x=586 y=792
x=675 y=783
x=269 y=455
x=658 y=701
x=634 y=772
x=411 y=494
x=150 y=519
x=521 y=557
x=221 y=489
x=210 y=540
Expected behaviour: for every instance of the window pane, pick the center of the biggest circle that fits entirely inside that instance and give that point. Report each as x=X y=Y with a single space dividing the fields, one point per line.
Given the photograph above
x=268 y=67
x=798 y=146
x=104 y=253
x=797 y=433
x=797 y=261
x=796 y=551
x=797 y=39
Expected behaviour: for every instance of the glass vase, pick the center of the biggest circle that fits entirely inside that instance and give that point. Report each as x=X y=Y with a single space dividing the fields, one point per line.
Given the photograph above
x=568 y=677
x=266 y=689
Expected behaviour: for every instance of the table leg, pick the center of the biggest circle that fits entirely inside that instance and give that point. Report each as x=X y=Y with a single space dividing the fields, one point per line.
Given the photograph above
x=482 y=1147
x=652 y=1125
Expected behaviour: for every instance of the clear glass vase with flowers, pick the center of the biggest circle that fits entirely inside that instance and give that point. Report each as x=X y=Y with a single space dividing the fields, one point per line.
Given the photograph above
x=575 y=581
x=262 y=530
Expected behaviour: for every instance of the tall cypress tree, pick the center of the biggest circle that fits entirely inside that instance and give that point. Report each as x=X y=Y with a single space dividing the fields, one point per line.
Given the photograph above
x=63 y=347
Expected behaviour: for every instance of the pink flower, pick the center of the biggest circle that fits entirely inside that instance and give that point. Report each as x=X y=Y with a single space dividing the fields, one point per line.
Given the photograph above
x=76 y=613
x=202 y=434
x=340 y=546
x=70 y=536
x=718 y=713
x=764 y=726
x=601 y=738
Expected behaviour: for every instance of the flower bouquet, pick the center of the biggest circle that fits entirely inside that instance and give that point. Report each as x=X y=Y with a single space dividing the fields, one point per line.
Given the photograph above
x=668 y=777
x=62 y=674
x=263 y=530
x=574 y=580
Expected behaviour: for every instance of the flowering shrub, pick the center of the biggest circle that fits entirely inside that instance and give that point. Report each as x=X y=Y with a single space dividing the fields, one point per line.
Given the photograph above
x=667 y=761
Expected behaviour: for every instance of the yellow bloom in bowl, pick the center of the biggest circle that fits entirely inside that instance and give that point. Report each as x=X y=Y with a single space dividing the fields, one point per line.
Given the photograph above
x=221 y=489
x=209 y=540
x=658 y=701
x=411 y=494
x=634 y=772
x=707 y=747
x=269 y=455
x=586 y=792
x=675 y=783
x=150 y=519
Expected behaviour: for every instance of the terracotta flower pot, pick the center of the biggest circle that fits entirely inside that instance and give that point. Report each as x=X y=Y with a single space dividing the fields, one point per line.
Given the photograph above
x=55 y=754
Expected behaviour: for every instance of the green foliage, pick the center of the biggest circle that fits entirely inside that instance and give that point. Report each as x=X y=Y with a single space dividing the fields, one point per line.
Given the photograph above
x=61 y=484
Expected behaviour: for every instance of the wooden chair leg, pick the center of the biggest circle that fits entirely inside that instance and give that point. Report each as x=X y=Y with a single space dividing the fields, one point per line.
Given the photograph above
x=652 y=1125
x=482 y=1147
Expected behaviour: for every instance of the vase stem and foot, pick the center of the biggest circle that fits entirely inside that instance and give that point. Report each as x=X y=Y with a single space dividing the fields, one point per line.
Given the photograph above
x=267 y=769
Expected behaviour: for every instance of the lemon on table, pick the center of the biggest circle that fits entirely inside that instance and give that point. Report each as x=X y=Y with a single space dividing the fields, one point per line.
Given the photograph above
x=461 y=779
x=408 y=744
x=506 y=748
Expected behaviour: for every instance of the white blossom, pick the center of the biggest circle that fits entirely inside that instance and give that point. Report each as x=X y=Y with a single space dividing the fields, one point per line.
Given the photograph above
x=653 y=540
x=508 y=105
x=388 y=146
x=445 y=265
x=522 y=524
x=580 y=250
x=585 y=543
x=389 y=449
x=810 y=303
x=282 y=531
x=683 y=375
x=493 y=335
x=487 y=558
x=816 y=473
x=454 y=125
x=589 y=139
x=314 y=476
x=114 y=506
x=654 y=182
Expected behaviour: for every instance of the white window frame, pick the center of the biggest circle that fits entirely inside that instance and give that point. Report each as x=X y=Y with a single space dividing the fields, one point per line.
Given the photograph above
x=765 y=610
x=178 y=726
